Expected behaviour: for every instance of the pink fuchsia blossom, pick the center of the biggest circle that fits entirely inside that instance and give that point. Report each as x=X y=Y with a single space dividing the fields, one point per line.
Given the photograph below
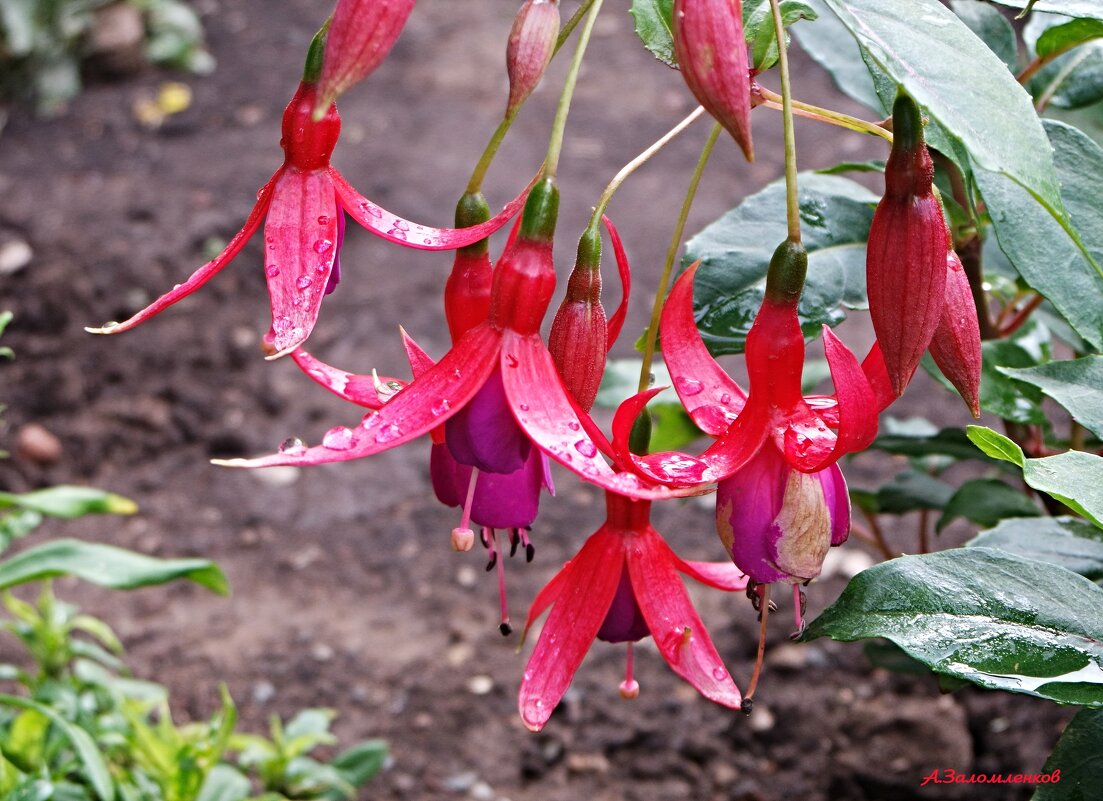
x=712 y=56
x=509 y=342
x=361 y=34
x=622 y=586
x=303 y=207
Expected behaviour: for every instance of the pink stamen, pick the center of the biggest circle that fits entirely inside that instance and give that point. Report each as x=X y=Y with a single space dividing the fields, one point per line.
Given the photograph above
x=629 y=688
x=462 y=536
x=491 y=539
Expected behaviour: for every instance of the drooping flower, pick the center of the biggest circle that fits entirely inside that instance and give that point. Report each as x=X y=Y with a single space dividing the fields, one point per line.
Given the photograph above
x=531 y=46
x=360 y=36
x=712 y=57
x=622 y=586
x=906 y=253
x=509 y=342
x=303 y=207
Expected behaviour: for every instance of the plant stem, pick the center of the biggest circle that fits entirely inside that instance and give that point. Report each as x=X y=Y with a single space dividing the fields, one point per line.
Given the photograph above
x=555 y=145
x=924 y=536
x=773 y=100
x=878 y=535
x=636 y=163
x=671 y=253
x=792 y=205
x=475 y=183
x=763 y=616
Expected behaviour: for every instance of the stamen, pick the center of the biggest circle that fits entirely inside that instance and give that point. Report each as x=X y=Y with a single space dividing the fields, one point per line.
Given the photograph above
x=799 y=605
x=629 y=688
x=764 y=607
x=462 y=536
x=491 y=538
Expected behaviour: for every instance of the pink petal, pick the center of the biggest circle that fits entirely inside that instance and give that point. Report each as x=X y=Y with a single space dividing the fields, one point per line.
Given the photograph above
x=419 y=360
x=543 y=409
x=708 y=393
x=857 y=401
x=363 y=390
x=670 y=468
x=837 y=498
x=747 y=506
x=207 y=271
x=678 y=631
x=423 y=405
x=422 y=237
x=878 y=376
x=719 y=575
x=300 y=235
x=803 y=436
x=737 y=445
x=584 y=596
x=616 y=322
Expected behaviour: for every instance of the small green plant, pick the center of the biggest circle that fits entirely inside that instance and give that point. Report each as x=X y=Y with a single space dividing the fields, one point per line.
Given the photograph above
x=43 y=44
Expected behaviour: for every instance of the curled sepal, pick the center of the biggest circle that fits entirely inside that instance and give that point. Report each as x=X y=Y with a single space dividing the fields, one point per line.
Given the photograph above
x=712 y=56
x=370 y=391
x=578 y=334
x=204 y=273
x=395 y=229
x=955 y=345
x=531 y=46
x=680 y=635
x=708 y=394
x=360 y=37
x=624 y=271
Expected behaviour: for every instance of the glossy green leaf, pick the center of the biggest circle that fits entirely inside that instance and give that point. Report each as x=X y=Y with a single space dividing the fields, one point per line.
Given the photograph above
x=1071 y=8
x=1074 y=478
x=982 y=615
x=1073 y=78
x=1064 y=541
x=832 y=46
x=941 y=442
x=1065 y=36
x=1076 y=384
x=70 y=502
x=908 y=492
x=106 y=566
x=735 y=251
x=225 y=783
x=655 y=27
x=986 y=501
x=1041 y=251
x=1078 y=756
x=991 y=27
x=95 y=768
x=758 y=27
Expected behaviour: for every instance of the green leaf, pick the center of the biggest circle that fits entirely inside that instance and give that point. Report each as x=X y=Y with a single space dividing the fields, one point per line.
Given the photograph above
x=106 y=566
x=986 y=501
x=671 y=428
x=909 y=491
x=1042 y=252
x=996 y=445
x=95 y=768
x=655 y=27
x=1063 y=37
x=1071 y=8
x=735 y=251
x=1074 y=478
x=831 y=45
x=942 y=442
x=991 y=27
x=309 y=722
x=225 y=783
x=26 y=740
x=70 y=502
x=758 y=28
x=982 y=615
x=873 y=165
x=1063 y=541
x=1076 y=384
x=999 y=394
x=359 y=763
x=1078 y=755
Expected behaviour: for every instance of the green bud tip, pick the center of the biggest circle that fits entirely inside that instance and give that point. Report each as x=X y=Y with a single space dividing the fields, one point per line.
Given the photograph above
x=315 y=55
x=473 y=209
x=589 y=250
x=639 y=439
x=541 y=212
x=788 y=268
x=907 y=124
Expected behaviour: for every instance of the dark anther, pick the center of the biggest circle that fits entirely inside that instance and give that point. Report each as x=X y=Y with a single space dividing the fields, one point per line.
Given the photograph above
x=484 y=535
x=747 y=706
x=493 y=561
x=505 y=628
x=803 y=603
x=514 y=541
x=771 y=606
x=530 y=552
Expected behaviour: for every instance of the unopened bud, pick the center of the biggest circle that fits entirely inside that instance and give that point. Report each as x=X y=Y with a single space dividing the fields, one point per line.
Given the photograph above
x=955 y=346
x=578 y=341
x=530 y=48
x=360 y=37
x=712 y=55
x=463 y=539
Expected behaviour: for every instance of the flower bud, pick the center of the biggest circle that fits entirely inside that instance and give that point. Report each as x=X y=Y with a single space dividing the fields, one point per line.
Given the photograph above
x=712 y=55
x=578 y=340
x=467 y=291
x=906 y=254
x=955 y=346
x=360 y=36
x=530 y=48
x=776 y=522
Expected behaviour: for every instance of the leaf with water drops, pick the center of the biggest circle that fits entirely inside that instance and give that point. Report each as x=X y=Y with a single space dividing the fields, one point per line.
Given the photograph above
x=735 y=251
x=982 y=615
x=1063 y=541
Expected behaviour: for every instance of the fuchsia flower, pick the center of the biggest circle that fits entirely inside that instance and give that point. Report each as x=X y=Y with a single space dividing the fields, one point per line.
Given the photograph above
x=955 y=346
x=507 y=343
x=303 y=207
x=623 y=586
x=531 y=46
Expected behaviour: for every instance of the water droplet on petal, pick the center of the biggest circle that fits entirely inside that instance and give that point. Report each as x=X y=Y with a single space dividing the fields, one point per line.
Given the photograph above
x=388 y=433
x=272 y=270
x=401 y=225
x=719 y=673
x=524 y=407
x=573 y=426
x=440 y=407
x=428 y=240
x=456 y=373
x=369 y=420
x=322 y=245
x=397 y=233
x=282 y=325
x=725 y=398
x=586 y=448
x=511 y=360
x=304 y=281
x=323 y=219
x=109 y=325
x=292 y=446
x=337 y=438
x=688 y=386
